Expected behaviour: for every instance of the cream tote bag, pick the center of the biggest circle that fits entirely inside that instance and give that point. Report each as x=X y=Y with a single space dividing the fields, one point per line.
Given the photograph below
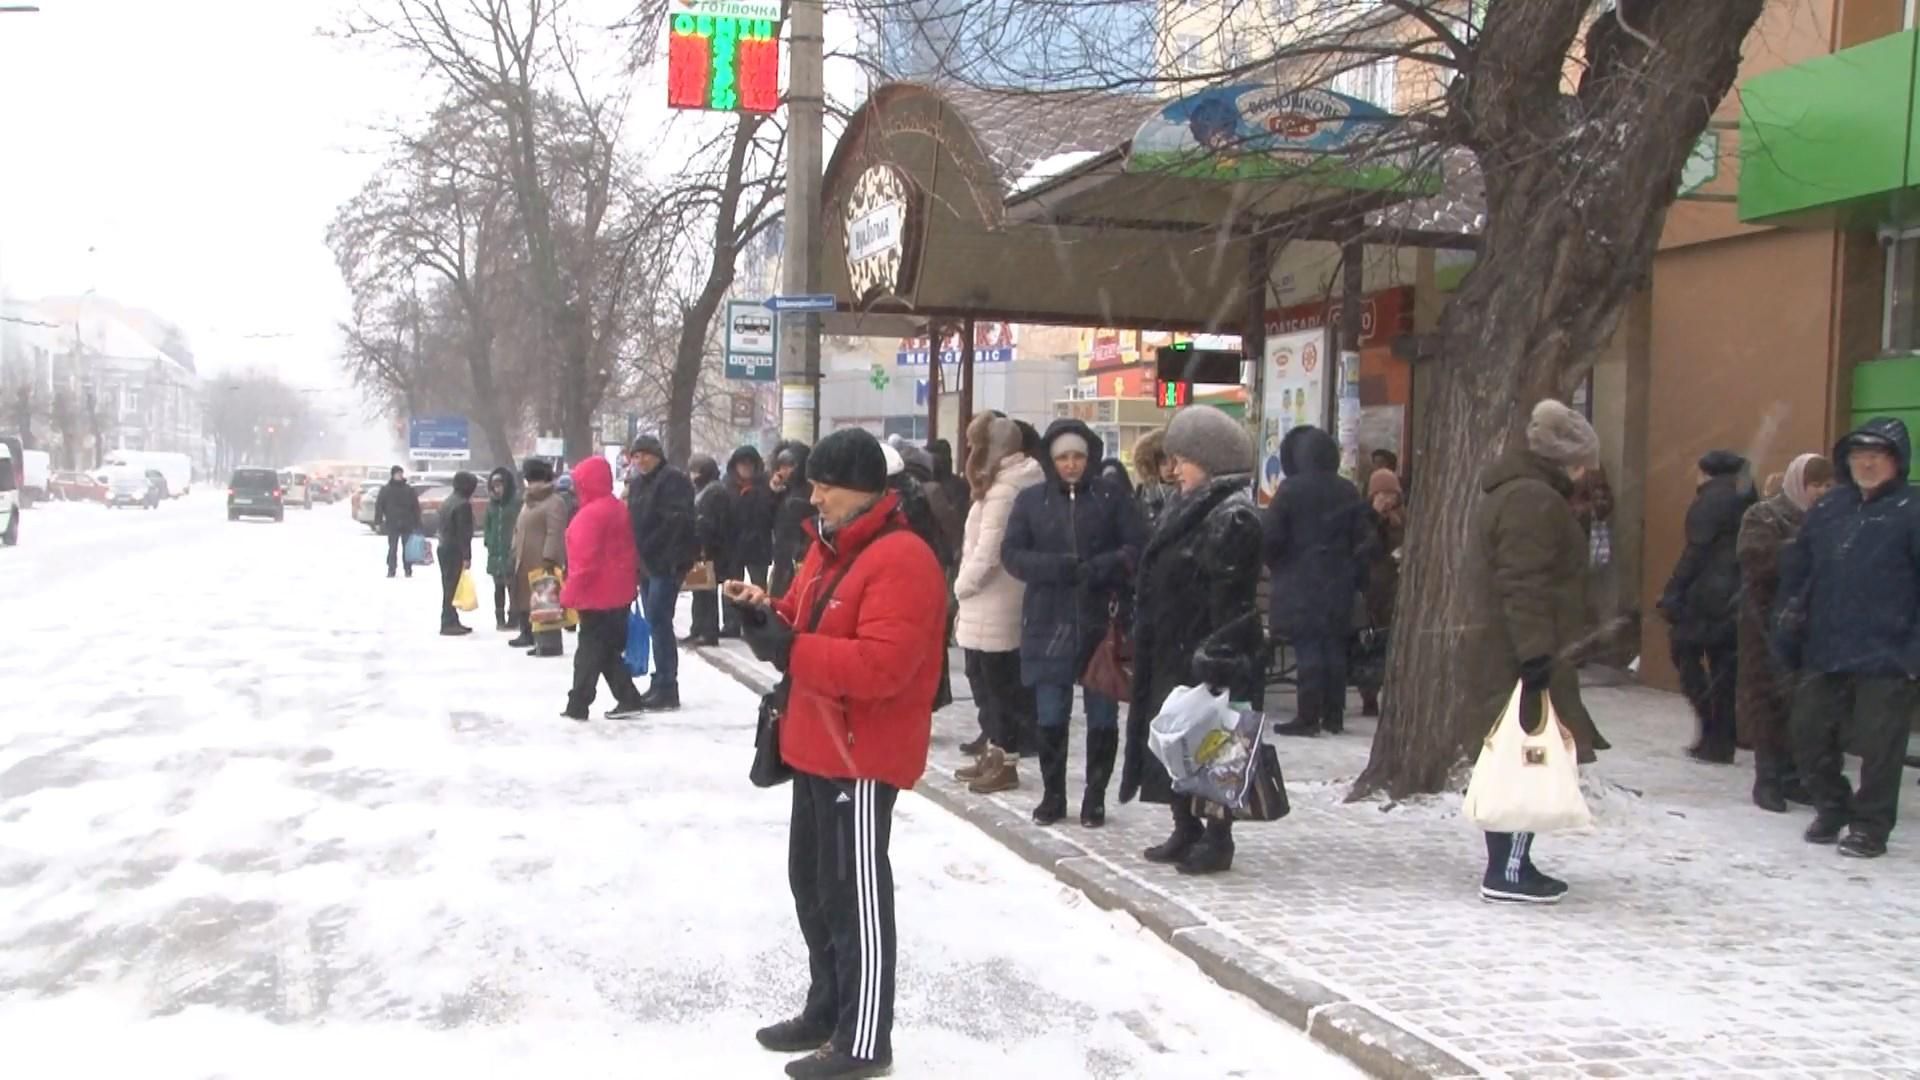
x=1527 y=783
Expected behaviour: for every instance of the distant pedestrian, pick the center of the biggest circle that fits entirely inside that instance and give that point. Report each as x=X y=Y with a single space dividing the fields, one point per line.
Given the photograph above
x=503 y=514
x=1197 y=619
x=714 y=532
x=1074 y=540
x=1525 y=563
x=750 y=553
x=603 y=569
x=1388 y=520
x=1611 y=619
x=456 y=548
x=792 y=510
x=569 y=498
x=1316 y=547
x=951 y=499
x=1154 y=469
x=1848 y=620
x=539 y=544
x=396 y=512
x=862 y=667
x=1701 y=602
x=1765 y=699
x=660 y=503
x=988 y=625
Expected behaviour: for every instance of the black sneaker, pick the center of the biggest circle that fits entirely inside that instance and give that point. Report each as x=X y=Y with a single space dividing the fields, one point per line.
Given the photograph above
x=660 y=700
x=627 y=711
x=1859 y=845
x=1299 y=727
x=1824 y=830
x=794 y=1036
x=455 y=631
x=1535 y=888
x=827 y=1063
x=569 y=714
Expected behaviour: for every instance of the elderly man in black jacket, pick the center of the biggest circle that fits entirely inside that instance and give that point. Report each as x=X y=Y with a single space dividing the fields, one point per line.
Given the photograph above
x=397 y=513
x=1702 y=600
x=1318 y=539
x=660 y=503
x=714 y=516
x=1847 y=619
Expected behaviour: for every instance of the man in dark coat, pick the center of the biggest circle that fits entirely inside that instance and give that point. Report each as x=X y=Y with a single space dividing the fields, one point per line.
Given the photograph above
x=714 y=515
x=1848 y=621
x=397 y=512
x=456 y=549
x=1197 y=618
x=951 y=499
x=660 y=504
x=1702 y=601
x=792 y=509
x=1317 y=542
x=751 y=550
x=1525 y=580
x=1074 y=540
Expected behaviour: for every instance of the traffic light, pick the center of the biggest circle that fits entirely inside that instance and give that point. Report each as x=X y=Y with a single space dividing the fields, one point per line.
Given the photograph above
x=1173 y=395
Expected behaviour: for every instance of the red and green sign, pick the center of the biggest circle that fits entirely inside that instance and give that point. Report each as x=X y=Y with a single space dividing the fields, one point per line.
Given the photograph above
x=725 y=63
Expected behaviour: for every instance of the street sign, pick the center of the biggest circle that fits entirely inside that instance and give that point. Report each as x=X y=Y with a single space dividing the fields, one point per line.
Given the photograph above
x=807 y=302
x=741 y=410
x=438 y=438
x=750 y=342
x=548 y=446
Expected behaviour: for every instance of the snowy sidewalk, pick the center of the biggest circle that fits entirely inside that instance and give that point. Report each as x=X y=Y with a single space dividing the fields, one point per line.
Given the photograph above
x=1702 y=937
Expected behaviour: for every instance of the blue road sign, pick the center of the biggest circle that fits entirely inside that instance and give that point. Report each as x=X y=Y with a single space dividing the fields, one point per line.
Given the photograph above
x=438 y=438
x=810 y=302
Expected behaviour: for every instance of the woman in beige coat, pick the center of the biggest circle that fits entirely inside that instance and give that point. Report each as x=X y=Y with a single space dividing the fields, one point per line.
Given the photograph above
x=988 y=626
x=539 y=542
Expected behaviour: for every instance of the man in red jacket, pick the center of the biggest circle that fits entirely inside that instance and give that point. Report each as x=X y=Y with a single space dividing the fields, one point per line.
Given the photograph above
x=602 y=571
x=861 y=646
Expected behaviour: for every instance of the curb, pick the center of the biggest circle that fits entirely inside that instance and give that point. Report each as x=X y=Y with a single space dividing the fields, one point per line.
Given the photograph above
x=1348 y=1028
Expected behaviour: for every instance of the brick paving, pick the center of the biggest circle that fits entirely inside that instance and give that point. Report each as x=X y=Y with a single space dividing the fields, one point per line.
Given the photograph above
x=1701 y=937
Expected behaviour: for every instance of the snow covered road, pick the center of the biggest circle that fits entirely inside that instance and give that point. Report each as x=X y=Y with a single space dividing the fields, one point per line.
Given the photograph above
x=258 y=820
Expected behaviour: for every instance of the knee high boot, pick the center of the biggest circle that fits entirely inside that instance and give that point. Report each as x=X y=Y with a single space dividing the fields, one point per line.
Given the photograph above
x=1053 y=774
x=1102 y=746
x=1214 y=853
x=1186 y=833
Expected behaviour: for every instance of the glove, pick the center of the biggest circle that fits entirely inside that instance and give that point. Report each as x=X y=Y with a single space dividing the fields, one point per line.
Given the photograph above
x=770 y=639
x=1536 y=673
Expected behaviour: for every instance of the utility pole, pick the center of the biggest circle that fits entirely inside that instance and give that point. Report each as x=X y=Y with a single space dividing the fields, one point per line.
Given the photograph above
x=800 y=251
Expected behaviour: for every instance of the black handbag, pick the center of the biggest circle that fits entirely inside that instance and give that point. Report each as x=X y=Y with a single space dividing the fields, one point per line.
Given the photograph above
x=1267 y=795
x=769 y=769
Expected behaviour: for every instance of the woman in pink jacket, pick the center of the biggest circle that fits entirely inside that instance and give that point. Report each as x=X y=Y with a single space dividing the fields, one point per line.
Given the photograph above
x=603 y=571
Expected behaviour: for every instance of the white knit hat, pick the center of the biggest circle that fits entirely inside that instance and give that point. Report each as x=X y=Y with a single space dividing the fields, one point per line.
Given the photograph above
x=1562 y=436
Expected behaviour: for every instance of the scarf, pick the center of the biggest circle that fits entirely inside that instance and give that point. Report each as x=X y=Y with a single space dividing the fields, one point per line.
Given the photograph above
x=1795 y=485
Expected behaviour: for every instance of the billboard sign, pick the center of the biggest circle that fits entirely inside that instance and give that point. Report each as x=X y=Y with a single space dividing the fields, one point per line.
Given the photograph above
x=438 y=438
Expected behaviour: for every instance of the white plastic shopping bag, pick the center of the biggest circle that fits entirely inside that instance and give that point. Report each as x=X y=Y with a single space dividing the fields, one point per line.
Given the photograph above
x=1527 y=783
x=1190 y=715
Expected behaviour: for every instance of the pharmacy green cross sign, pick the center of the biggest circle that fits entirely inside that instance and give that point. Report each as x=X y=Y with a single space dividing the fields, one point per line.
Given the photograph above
x=879 y=378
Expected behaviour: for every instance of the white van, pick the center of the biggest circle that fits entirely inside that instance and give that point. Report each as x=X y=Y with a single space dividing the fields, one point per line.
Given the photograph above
x=176 y=468
x=9 y=496
x=296 y=488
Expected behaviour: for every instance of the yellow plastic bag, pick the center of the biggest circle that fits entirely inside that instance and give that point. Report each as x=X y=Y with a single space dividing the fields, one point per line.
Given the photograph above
x=465 y=598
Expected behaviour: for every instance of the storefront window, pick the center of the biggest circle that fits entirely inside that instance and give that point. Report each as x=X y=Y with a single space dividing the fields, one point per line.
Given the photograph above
x=1901 y=332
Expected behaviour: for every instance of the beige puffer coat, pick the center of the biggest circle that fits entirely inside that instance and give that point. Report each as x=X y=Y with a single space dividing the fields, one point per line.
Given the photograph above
x=990 y=598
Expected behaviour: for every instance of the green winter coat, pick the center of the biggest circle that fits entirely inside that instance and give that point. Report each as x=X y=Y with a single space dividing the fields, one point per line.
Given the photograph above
x=1526 y=584
x=502 y=515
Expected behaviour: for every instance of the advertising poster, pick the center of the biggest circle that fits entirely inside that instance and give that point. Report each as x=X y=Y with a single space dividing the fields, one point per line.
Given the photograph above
x=1350 y=416
x=1292 y=395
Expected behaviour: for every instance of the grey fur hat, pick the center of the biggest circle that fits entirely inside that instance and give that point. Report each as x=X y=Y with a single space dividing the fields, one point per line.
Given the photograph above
x=1210 y=439
x=1562 y=436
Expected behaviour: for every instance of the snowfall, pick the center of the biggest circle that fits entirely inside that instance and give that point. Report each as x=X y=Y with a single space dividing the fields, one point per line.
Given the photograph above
x=258 y=820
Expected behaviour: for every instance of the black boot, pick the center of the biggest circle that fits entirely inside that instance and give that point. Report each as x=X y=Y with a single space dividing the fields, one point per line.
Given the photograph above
x=1102 y=745
x=1053 y=775
x=1213 y=854
x=1307 y=706
x=1333 y=714
x=1186 y=833
x=524 y=639
x=1767 y=794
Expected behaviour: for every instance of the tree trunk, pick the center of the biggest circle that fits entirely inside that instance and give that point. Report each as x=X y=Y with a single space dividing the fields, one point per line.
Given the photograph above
x=1577 y=196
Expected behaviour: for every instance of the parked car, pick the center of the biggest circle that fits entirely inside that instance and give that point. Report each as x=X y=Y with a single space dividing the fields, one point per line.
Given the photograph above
x=9 y=496
x=256 y=493
x=297 y=491
x=434 y=490
x=130 y=487
x=364 y=499
x=327 y=489
x=76 y=487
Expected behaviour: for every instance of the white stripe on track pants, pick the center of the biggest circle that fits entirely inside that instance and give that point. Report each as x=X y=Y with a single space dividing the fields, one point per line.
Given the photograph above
x=842 y=885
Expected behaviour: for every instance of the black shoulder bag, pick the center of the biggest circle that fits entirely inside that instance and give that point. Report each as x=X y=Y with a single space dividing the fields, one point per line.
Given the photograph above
x=769 y=768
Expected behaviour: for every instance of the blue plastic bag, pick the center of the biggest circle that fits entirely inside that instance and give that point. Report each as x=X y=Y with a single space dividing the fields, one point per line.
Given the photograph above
x=639 y=642
x=419 y=552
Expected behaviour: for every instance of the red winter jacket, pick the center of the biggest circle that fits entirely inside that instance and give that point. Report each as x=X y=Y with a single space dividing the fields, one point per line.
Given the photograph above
x=603 y=567
x=860 y=705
